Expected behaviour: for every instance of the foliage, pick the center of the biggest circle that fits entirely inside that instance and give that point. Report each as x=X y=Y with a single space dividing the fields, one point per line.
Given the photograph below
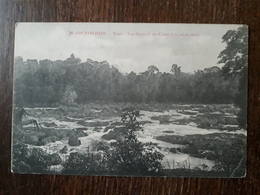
x=235 y=59
x=129 y=156
x=88 y=163
x=69 y=96
x=235 y=55
x=50 y=83
x=26 y=160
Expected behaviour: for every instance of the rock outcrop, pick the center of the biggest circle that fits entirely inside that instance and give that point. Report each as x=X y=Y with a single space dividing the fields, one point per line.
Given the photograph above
x=74 y=140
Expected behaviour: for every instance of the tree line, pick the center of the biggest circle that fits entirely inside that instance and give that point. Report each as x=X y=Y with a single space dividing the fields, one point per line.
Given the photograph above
x=48 y=83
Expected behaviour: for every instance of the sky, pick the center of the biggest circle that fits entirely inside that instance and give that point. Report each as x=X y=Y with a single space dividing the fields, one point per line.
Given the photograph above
x=127 y=46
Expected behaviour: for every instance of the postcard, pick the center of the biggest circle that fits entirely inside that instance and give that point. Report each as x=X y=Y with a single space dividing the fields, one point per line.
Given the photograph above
x=130 y=99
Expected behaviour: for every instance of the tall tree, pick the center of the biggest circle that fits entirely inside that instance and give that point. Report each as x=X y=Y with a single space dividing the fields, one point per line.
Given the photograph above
x=235 y=59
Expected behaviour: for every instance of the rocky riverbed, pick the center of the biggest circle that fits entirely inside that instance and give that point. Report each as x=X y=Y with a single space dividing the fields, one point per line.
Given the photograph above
x=189 y=136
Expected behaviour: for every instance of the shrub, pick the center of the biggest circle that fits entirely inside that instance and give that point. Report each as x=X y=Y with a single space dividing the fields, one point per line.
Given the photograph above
x=129 y=156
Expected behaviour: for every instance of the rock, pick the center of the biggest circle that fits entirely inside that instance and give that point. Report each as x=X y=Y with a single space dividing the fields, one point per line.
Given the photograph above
x=211 y=156
x=116 y=133
x=164 y=119
x=108 y=127
x=145 y=122
x=187 y=112
x=116 y=124
x=39 y=154
x=31 y=139
x=182 y=121
x=78 y=132
x=64 y=150
x=174 y=150
x=59 y=133
x=40 y=134
x=216 y=115
x=72 y=132
x=155 y=117
x=231 y=120
x=190 y=150
x=169 y=131
x=82 y=129
x=52 y=124
x=74 y=140
x=102 y=123
x=97 y=129
x=93 y=123
x=49 y=140
x=82 y=122
x=54 y=159
x=202 y=110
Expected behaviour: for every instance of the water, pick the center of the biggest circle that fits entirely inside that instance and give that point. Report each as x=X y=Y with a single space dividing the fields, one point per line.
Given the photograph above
x=151 y=131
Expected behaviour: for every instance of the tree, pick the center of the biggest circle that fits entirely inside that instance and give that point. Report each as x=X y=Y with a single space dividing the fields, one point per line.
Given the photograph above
x=235 y=59
x=129 y=156
x=176 y=69
x=235 y=55
x=69 y=96
x=151 y=70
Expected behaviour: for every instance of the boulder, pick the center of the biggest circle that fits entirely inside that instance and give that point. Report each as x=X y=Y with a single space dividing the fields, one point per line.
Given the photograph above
x=40 y=134
x=190 y=150
x=54 y=159
x=164 y=119
x=74 y=140
x=78 y=132
x=116 y=133
x=64 y=150
x=49 y=140
x=82 y=134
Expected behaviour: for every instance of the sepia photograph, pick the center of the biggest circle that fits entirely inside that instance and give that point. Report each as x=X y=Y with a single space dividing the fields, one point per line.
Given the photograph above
x=130 y=99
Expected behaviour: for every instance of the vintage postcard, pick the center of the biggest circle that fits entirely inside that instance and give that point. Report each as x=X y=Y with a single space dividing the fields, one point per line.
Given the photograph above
x=125 y=99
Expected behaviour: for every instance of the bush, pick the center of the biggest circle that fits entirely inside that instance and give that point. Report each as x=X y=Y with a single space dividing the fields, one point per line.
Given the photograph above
x=129 y=156
x=88 y=163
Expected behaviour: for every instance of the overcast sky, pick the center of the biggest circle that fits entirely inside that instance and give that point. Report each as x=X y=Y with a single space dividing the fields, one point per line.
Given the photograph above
x=128 y=53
